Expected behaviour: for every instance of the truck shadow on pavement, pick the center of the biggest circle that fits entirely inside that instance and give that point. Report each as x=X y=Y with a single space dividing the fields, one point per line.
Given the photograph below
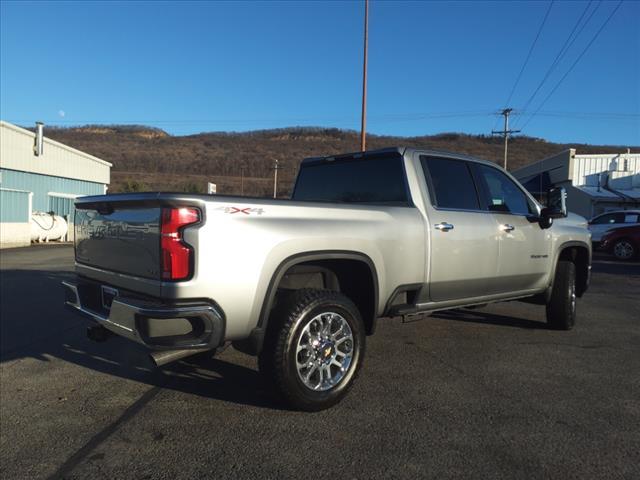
x=35 y=324
x=479 y=316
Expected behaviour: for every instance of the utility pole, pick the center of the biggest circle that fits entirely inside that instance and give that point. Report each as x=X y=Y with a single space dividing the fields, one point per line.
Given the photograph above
x=506 y=132
x=276 y=167
x=242 y=181
x=363 y=125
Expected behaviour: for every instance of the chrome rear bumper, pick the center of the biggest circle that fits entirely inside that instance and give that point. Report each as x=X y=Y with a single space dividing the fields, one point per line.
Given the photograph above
x=158 y=326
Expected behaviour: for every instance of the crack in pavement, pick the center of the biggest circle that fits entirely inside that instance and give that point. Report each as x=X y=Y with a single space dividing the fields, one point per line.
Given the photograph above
x=83 y=452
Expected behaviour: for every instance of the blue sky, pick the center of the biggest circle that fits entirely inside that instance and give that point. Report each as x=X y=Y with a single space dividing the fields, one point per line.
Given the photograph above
x=189 y=67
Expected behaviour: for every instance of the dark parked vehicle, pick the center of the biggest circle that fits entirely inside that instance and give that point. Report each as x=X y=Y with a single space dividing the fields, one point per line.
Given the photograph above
x=623 y=243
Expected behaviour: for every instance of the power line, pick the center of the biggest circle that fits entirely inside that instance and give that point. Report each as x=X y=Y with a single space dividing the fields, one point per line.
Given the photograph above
x=535 y=40
x=568 y=43
x=574 y=63
x=380 y=118
x=526 y=61
x=592 y=115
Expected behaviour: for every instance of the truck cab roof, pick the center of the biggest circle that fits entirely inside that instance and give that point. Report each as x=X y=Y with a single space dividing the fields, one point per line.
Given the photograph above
x=394 y=150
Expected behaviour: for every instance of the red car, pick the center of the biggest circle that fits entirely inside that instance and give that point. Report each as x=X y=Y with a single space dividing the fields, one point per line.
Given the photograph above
x=623 y=242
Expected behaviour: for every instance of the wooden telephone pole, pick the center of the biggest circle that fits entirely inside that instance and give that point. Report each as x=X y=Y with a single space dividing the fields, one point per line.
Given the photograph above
x=506 y=132
x=363 y=125
x=276 y=167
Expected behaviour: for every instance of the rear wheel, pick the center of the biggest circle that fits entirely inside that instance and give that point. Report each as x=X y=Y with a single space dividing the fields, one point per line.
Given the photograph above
x=313 y=349
x=561 y=308
x=623 y=249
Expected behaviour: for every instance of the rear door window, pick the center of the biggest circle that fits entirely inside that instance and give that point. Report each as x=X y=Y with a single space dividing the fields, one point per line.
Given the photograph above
x=375 y=180
x=450 y=183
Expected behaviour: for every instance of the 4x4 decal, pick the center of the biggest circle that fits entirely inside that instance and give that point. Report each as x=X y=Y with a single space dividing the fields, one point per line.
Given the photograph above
x=245 y=211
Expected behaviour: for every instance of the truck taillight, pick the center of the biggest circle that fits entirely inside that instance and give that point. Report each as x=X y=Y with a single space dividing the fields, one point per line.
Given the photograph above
x=177 y=255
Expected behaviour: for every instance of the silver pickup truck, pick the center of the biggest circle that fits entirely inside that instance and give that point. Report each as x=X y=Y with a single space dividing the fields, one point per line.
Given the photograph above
x=301 y=282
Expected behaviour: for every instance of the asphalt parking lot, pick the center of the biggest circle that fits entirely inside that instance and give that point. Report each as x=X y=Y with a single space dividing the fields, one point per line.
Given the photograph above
x=487 y=393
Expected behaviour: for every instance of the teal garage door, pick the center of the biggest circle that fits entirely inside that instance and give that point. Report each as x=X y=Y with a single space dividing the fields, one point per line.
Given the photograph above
x=61 y=206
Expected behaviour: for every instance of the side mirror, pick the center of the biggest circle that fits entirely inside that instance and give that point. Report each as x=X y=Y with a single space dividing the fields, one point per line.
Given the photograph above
x=557 y=202
x=556 y=207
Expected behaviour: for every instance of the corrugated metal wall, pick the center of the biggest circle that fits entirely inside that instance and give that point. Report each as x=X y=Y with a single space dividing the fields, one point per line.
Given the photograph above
x=43 y=185
x=60 y=205
x=587 y=167
x=16 y=153
x=14 y=206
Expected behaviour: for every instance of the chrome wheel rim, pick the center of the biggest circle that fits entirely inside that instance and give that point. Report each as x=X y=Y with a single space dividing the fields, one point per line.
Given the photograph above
x=623 y=250
x=573 y=297
x=324 y=351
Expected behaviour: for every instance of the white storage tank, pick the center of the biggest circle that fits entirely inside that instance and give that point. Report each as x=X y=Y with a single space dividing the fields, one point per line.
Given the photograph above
x=46 y=227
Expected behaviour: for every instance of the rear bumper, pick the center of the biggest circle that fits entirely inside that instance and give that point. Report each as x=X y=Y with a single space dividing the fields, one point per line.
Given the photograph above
x=188 y=325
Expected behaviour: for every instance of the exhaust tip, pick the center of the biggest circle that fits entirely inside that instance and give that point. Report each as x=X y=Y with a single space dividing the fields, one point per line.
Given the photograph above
x=167 y=356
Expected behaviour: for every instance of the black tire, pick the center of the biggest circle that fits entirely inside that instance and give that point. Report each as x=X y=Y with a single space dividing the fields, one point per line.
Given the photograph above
x=289 y=324
x=561 y=308
x=624 y=249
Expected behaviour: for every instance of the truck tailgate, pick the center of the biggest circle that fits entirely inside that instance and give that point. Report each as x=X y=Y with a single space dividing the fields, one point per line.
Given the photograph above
x=121 y=240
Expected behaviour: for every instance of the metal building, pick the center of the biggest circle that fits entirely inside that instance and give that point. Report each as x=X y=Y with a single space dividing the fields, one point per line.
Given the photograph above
x=38 y=174
x=595 y=183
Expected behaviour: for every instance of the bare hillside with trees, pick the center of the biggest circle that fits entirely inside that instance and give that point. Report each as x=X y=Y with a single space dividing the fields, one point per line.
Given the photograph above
x=149 y=159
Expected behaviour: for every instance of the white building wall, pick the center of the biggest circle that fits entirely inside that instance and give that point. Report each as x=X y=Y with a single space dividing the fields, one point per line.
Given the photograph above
x=585 y=177
x=15 y=235
x=16 y=153
x=624 y=170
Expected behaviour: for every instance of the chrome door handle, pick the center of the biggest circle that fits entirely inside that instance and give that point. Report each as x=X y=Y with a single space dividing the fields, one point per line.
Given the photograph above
x=443 y=227
x=507 y=228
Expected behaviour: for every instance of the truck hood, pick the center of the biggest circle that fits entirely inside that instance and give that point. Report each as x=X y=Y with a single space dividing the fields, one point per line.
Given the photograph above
x=572 y=220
